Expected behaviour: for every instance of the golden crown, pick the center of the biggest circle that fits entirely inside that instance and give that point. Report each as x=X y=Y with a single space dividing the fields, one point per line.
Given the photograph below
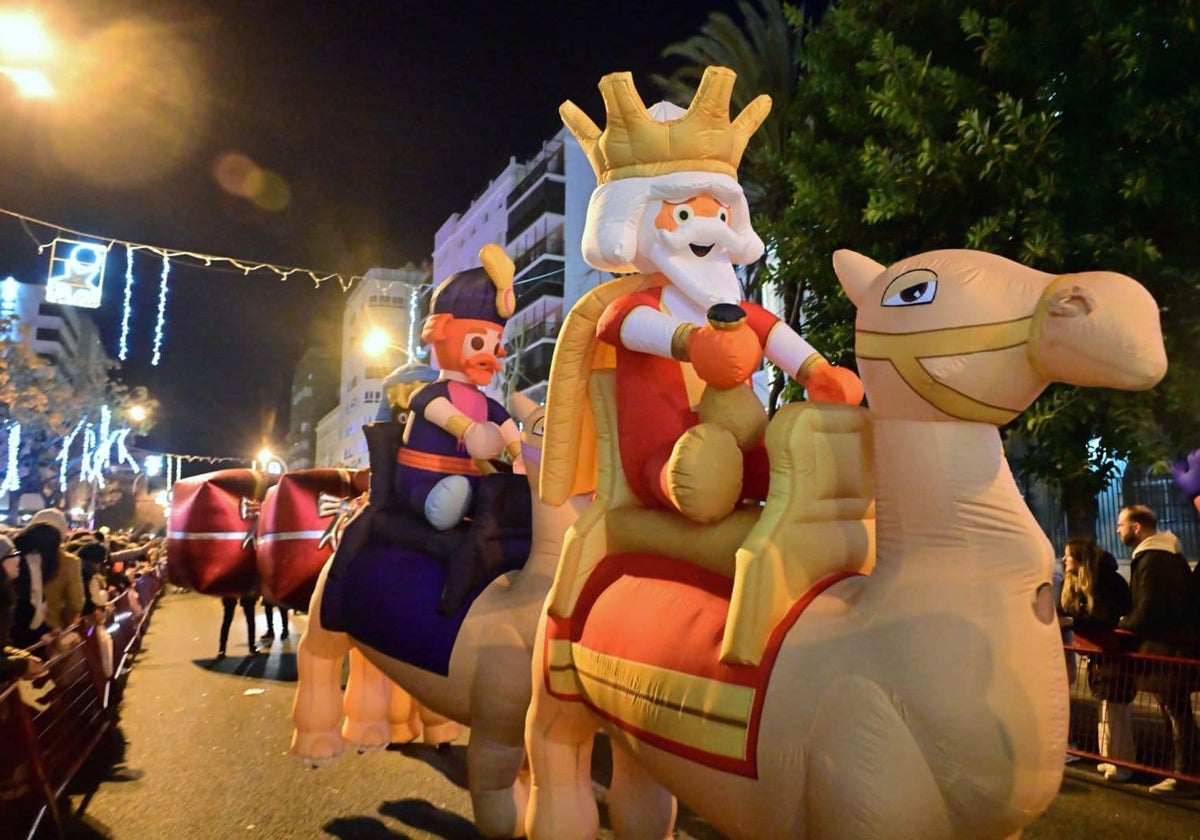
x=634 y=144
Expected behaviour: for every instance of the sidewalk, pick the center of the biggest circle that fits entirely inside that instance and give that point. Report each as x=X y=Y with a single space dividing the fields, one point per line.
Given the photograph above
x=207 y=757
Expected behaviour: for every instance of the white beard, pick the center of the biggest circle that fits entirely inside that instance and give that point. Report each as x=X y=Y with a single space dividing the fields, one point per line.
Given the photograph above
x=701 y=281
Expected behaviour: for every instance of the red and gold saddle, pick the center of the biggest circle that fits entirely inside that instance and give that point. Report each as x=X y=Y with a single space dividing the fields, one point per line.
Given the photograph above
x=642 y=649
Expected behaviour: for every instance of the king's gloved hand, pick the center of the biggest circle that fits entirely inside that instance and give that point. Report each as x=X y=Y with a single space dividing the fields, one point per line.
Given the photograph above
x=725 y=356
x=1186 y=472
x=830 y=383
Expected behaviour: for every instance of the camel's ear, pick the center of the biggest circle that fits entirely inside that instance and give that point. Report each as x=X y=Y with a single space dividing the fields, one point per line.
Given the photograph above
x=855 y=272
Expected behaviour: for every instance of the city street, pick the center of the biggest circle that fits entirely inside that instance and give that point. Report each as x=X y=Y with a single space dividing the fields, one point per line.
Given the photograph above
x=206 y=756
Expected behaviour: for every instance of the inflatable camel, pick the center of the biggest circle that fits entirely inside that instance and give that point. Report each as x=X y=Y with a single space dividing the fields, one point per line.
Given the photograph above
x=485 y=683
x=777 y=690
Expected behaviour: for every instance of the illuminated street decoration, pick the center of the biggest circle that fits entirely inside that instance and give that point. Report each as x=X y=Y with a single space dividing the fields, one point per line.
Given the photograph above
x=12 y=475
x=76 y=275
x=124 y=346
x=8 y=303
x=153 y=464
x=64 y=455
x=162 y=310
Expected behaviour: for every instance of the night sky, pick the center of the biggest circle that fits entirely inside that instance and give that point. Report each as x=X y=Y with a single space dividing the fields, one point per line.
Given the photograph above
x=379 y=120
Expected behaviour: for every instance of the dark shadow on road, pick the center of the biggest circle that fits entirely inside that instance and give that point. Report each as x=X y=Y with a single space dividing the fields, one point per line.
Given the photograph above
x=360 y=828
x=106 y=763
x=424 y=816
x=278 y=667
x=447 y=759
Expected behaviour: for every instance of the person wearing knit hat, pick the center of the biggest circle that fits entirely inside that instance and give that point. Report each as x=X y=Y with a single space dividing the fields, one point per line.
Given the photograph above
x=64 y=591
x=52 y=516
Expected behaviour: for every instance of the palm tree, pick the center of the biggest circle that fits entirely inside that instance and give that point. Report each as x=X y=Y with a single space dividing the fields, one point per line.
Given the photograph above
x=765 y=52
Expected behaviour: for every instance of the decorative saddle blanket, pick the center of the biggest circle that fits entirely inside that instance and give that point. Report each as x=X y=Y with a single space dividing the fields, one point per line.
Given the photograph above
x=390 y=596
x=642 y=650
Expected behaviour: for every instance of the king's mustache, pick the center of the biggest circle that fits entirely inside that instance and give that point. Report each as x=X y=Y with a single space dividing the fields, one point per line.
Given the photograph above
x=701 y=235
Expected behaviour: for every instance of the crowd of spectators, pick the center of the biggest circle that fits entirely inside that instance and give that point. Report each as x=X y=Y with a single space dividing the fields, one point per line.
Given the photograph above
x=56 y=577
x=1160 y=609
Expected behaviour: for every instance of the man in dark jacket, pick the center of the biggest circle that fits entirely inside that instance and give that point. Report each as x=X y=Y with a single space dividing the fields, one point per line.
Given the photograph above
x=1159 y=583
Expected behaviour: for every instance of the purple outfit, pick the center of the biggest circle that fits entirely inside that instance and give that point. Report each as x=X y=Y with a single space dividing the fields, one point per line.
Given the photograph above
x=430 y=453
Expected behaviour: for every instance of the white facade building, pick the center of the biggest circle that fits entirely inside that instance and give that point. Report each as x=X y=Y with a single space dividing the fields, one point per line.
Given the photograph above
x=52 y=329
x=385 y=299
x=536 y=209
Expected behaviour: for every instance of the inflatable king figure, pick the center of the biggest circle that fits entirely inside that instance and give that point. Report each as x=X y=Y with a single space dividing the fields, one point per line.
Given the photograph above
x=668 y=207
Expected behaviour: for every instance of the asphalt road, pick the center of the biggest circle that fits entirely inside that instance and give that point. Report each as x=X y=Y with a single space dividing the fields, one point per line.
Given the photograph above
x=204 y=754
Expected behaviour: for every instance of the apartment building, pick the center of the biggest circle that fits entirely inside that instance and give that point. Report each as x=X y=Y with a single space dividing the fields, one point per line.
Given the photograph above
x=315 y=388
x=536 y=209
x=388 y=300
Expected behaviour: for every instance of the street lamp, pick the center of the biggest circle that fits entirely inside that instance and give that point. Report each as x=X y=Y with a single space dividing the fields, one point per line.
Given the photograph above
x=24 y=40
x=377 y=342
x=137 y=413
x=269 y=462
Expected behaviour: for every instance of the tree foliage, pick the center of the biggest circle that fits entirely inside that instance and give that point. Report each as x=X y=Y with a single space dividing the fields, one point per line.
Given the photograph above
x=1062 y=135
x=49 y=398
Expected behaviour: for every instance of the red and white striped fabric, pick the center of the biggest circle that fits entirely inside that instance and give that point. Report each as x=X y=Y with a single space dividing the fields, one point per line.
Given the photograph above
x=296 y=530
x=210 y=533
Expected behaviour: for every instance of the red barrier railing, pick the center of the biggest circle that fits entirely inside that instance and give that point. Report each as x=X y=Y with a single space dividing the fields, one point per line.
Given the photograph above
x=1104 y=666
x=48 y=734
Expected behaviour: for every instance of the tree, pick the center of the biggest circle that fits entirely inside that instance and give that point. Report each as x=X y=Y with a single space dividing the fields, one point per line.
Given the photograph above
x=49 y=399
x=764 y=49
x=1060 y=135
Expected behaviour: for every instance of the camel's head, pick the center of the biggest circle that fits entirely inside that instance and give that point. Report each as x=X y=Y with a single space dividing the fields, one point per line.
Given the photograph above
x=533 y=423
x=967 y=335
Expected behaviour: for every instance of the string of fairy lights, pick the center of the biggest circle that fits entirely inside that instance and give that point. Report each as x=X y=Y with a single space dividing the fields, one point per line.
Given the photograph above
x=79 y=259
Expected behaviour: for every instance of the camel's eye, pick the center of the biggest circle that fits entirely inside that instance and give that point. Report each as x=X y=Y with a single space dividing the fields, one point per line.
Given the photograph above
x=913 y=287
x=539 y=427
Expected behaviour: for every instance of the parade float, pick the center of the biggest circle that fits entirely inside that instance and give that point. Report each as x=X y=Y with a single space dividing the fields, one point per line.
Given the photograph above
x=871 y=650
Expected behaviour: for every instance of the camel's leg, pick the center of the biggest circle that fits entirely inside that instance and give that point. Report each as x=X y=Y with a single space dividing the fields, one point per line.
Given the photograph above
x=366 y=704
x=638 y=806
x=558 y=739
x=317 y=707
x=496 y=751
x=866 y=775
x=438 y=729
x=404 y=715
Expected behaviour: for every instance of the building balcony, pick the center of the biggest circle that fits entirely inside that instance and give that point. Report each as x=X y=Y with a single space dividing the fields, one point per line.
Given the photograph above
x=548 y=197
x=549 y=245
x=551 y=163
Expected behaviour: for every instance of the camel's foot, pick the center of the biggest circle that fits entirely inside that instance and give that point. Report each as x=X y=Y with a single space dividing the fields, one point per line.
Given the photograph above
x=437 y=734
x=367 y=735
x=317 y=748
x=403 y=733
x=500 y=813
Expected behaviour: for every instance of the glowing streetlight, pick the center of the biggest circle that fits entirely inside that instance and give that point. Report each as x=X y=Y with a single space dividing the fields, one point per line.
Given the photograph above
x=137 y=413
x=23 y=40
x=22 y=37
x=270 y=463
x=376 y=342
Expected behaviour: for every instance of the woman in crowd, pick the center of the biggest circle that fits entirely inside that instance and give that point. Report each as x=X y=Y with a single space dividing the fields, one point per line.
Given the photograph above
x=12 y=667
x=37 y=546
x=1095 y=595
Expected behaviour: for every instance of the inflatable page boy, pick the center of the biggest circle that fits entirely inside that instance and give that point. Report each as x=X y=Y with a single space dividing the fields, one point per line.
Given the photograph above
x=427 y=490
x=453 y=427
x=668 y=206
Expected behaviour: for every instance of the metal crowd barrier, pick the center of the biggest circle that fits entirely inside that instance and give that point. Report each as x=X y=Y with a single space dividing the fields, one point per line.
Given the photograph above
x=47 y=735
x=1106 y=663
